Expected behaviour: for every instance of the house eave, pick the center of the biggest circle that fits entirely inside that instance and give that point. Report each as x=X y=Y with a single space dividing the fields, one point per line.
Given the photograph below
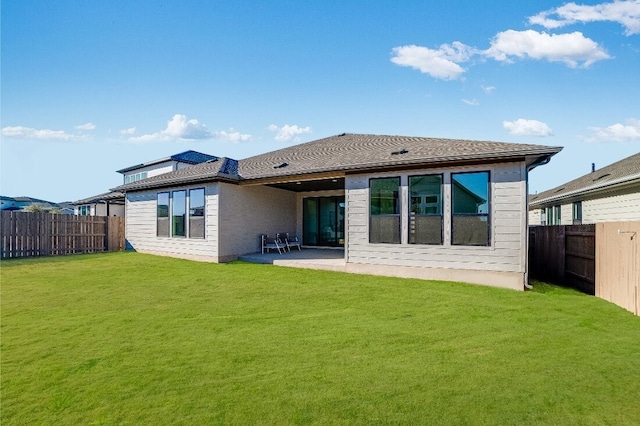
x=587 y=191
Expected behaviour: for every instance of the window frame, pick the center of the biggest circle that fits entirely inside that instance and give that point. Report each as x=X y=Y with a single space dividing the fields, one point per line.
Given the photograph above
x=176 y=230
x=487 y=215
x=412 y=236
x=576 y=213
x=190 y=216
x=397 y=200
x=167 y=217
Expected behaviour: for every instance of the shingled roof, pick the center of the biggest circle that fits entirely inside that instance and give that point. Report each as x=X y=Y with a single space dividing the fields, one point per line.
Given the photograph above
x=188 y=157
x=623 y=172
x=218 y=169
x=352 y=153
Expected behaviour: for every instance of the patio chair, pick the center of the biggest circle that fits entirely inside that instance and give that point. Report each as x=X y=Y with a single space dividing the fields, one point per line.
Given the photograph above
x=293 y=241
x=269 y=243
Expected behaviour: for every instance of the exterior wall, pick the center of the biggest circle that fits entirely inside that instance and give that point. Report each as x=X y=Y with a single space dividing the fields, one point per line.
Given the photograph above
x=614 y=208
x=100 y=209
x=619 y=206
x=535 y=217
x=140 y=228
x=246 y=212
x=153 y=170
x=502 y=264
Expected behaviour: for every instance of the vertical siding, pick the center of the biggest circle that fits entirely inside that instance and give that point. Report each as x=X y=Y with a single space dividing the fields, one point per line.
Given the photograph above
x=246 y=212
x=507 y=252
x=141 y=225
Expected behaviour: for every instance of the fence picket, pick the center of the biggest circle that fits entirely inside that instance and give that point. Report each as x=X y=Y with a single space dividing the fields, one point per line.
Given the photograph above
x=44 y=234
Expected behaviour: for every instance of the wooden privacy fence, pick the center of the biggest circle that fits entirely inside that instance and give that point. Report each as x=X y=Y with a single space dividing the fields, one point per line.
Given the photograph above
x=618 y=264
x=600 y=259
x=25 y=234
x=564 y=255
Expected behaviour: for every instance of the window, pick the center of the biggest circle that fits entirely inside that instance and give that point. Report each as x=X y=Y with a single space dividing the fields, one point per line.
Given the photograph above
x=196 y=213
x=558 y=215
x=178 y=213
x=543 y=216
x=135 y=177
x=384 y=226
x=425 y=209
x=470 y=209
x=84 y=210
x=163 y=214
x=577 y=213
x=550 y=216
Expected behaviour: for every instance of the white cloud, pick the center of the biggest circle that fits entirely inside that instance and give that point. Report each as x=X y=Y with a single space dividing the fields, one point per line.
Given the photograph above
x=233 y=136
x=523 y=127
x=442 y=63
x=626 y=13
x=472 y=102
x=129 y=131
x=86 y=126
x=573 y=49
x=177 y=128
x=488 y=89
x=618 y=132
x=288 y=132
x=20 y=132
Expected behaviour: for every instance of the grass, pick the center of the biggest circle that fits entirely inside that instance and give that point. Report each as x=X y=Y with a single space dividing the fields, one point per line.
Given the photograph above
x=127 y=338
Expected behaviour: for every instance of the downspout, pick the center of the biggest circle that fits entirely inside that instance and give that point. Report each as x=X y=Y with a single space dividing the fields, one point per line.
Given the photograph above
x=528 y=286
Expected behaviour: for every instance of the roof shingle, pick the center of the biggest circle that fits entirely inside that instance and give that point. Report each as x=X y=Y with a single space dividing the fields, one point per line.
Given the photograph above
x=345 y=153
x=621 y=171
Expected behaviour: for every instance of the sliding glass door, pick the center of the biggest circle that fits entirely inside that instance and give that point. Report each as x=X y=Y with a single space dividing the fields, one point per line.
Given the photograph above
x=323 y=221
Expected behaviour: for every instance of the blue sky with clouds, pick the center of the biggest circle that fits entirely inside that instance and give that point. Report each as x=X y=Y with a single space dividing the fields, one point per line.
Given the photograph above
x=92 y=87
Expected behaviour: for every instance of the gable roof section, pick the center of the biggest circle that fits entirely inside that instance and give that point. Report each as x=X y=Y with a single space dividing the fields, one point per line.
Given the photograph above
x=623 y=172
x=188 y=157
x=350 y=153
x=218 y=169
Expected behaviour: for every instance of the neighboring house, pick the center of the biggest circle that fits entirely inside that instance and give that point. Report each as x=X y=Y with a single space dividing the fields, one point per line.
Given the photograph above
x=404 y=206
x=609 y=194
x=112 y=203
x=108 y=204
x=20 y=203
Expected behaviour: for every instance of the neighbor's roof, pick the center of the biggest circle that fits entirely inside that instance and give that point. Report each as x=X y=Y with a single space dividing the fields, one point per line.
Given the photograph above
x=620 y=173
x=107 y=196
x=353 y=153
x=189 y=157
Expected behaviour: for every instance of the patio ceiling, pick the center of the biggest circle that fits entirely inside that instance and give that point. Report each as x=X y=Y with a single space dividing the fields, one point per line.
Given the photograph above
x=311 y=185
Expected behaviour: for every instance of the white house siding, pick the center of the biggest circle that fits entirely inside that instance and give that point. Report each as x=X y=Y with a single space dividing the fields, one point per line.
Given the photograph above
x=246 y=212
x=535 y=217
x=505 y=259
x=154 y=169
x=614 y=208
x=141 y=226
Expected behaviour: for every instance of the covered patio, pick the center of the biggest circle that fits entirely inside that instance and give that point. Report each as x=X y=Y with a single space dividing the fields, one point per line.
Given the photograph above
x=311 y=258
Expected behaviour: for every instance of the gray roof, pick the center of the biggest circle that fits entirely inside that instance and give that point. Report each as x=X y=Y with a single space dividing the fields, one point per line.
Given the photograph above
x=622 y=172
x=188 y=157
x=351 y=153
x=218 y=169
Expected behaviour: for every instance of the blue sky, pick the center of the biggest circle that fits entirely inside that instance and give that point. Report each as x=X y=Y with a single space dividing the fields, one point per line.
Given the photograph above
x=91 y=87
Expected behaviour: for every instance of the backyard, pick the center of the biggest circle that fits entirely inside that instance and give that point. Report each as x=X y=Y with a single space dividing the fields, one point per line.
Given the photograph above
x=127 y=338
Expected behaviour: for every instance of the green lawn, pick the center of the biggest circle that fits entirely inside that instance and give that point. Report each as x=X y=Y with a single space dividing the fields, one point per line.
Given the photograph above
x=126 y=338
